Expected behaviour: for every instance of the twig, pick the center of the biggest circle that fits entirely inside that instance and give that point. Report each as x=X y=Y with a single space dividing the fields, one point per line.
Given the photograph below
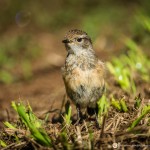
x=103 y=126
x=14 y=145
x=79 y=137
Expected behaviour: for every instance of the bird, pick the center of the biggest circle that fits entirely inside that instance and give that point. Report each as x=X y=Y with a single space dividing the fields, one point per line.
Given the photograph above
x=83 y=73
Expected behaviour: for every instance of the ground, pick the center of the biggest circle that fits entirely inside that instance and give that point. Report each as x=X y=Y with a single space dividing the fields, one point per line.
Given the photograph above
x=45 y=90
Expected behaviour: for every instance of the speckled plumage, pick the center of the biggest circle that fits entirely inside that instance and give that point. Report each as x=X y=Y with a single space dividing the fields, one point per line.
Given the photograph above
x=75 y=32
x=83 y=73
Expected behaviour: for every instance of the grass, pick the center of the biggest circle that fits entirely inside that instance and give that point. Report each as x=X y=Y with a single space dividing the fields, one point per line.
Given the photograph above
x=103 y=106
x=29 y=129
x=67 y=116
x=32 y=123
x=144 y=112
x=127 y=67
x=119 y=105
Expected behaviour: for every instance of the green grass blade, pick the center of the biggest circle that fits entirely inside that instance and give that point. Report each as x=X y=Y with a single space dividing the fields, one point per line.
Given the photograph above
x=103 y=106
x=138 y=101
x=116 y=104
x=68 y=111
x=145 y=111
x=9 y=125
x=2 y=143
x=38 y=134
x=123 y=105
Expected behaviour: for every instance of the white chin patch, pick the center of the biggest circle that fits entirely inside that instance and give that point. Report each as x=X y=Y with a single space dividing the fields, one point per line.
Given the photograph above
x=76 y=49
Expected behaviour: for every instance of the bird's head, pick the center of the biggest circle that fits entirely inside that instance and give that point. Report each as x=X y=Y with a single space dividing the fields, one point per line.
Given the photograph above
x=77 y=41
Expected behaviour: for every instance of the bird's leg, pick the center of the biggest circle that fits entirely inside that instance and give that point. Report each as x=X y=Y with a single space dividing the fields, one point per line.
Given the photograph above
x=97 y=122
x=96 y=117
x=79 y=113
x=94 y=111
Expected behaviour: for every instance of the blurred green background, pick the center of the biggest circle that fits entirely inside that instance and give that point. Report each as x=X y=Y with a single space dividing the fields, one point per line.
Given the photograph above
x=23 y=22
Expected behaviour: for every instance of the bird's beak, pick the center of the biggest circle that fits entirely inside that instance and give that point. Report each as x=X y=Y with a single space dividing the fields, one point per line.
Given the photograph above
x=66 y=41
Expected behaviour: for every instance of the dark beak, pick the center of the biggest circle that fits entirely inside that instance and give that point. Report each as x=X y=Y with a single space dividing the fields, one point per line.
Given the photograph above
x=66 y=41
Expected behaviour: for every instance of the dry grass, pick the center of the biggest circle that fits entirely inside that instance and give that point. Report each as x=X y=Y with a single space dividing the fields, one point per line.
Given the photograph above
x=86 y=135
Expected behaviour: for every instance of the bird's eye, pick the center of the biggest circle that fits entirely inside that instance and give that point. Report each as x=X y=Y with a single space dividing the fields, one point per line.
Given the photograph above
x=79 y=39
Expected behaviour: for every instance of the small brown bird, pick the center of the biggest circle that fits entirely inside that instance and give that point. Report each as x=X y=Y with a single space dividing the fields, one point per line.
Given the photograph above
x=83 y=73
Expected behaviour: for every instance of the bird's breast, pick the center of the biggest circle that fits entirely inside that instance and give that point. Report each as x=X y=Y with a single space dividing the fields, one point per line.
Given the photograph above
x=87 y=78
